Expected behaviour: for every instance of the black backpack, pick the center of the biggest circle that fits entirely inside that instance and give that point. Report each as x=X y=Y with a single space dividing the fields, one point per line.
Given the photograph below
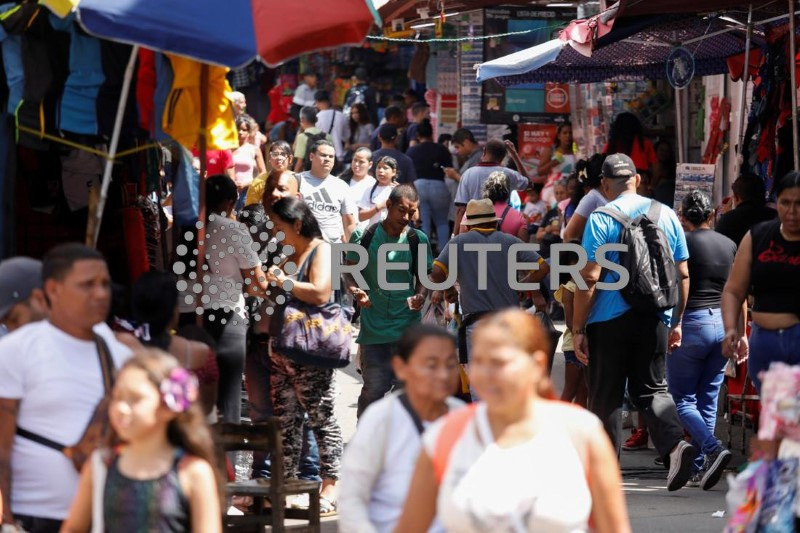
x=653 y=284
x=413 y=242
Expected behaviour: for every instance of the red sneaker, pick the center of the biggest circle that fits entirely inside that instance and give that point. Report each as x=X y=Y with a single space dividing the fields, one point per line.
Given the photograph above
x=637 y=440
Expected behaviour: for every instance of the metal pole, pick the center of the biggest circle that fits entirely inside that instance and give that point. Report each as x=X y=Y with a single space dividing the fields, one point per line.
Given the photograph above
x=793 y=90
x=679 y=126
x=94 y=226
x=745 y=78
x=202 y=146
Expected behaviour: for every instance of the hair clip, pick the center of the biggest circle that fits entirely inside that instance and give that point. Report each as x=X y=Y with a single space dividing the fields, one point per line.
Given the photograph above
x=583 y=175
x=179 y=390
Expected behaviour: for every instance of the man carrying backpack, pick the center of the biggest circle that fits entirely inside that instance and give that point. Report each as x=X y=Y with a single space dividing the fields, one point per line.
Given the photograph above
x=309 y=136
x=624 y=334
x=387 y=313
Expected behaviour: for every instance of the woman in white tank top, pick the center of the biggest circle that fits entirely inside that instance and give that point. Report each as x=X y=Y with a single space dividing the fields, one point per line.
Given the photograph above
x=519 y=461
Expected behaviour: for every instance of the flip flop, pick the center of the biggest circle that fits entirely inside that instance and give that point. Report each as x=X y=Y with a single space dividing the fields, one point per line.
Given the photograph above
x=327 y=507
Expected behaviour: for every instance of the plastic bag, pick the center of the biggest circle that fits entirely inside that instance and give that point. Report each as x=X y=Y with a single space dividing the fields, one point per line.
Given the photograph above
x=435 y=315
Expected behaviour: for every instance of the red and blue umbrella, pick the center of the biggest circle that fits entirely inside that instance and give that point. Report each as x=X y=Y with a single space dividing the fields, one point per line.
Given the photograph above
x=227 y=32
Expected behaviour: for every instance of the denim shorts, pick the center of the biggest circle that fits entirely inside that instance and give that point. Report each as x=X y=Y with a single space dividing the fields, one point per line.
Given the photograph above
x=570 y=359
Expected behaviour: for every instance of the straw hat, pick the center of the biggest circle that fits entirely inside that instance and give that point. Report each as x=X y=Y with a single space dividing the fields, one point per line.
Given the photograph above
x=479 y=212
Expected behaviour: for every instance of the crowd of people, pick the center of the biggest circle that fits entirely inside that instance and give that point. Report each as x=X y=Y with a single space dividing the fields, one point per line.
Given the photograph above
x=515 y=458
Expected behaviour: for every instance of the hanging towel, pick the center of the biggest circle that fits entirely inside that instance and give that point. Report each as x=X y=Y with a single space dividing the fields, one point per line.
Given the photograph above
x=181 y=119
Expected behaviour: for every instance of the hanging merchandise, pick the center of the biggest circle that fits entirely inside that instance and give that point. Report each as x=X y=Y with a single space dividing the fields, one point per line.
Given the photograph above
x=181 y=119
x=80 y=171
x=44 y=55
x=12 y=63
x=768 y=131
x=185 y=187
x=720 y=124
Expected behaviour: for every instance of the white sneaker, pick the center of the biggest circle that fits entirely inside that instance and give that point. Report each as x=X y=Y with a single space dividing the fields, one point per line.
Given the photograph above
x=680 y=465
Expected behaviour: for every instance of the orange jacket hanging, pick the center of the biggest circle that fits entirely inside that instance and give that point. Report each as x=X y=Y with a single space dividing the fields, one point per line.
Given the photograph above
x=181 y=119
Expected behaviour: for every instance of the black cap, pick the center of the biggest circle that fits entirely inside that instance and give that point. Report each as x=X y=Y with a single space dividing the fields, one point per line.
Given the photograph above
x=361 y=73
x=617 y=166
x=388 y=132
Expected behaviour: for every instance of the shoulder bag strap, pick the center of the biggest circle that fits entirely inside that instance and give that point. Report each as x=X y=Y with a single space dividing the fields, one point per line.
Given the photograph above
x=406 y=403
x=333 y=121
x=616 y=215
x=654 y=212
x=452 y=429
x=107 y=369
x=503 y=216
x=366 y=237
x=304 y=268
x=106 y=363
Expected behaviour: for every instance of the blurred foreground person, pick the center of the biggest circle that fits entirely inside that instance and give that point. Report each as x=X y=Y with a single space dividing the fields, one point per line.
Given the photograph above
x=517 y=461
x=379 y=461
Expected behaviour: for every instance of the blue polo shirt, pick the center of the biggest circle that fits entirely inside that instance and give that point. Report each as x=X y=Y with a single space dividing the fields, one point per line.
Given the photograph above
x=602 y=229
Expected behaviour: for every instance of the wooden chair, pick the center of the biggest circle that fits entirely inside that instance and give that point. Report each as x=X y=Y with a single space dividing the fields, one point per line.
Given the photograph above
x=269 y=495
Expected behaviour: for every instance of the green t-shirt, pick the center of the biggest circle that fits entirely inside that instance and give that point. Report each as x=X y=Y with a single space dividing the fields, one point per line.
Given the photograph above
x=389 y=316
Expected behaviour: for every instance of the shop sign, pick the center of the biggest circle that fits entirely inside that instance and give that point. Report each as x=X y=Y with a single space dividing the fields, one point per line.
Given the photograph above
x=680 y=67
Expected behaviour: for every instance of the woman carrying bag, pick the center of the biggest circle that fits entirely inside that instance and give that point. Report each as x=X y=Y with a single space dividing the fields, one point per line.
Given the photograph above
x=302 y=375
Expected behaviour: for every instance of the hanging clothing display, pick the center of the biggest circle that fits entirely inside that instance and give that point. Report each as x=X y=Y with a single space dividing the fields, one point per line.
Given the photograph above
x=12 y=63
x=80 y=171
x=146 y=89
x=45 y=56
x=181 y=119
x=77 y=109
x=768 y=138
x=185 y=189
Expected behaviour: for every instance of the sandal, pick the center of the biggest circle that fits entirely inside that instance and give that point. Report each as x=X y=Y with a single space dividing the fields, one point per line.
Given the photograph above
x=327 y=507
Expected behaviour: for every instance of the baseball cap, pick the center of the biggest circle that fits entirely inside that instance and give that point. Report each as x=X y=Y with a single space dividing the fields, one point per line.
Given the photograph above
x=18 y=277
x=618 y=166
x=388 y=132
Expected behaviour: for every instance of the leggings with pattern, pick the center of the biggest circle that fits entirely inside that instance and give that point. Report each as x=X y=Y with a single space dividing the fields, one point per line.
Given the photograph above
x=298 y=389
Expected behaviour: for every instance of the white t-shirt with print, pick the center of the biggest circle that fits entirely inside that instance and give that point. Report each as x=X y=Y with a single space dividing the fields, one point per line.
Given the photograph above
x=375 y=195
x=229 y=249
x=538 y=485
x=329 y=198
x=58 y=380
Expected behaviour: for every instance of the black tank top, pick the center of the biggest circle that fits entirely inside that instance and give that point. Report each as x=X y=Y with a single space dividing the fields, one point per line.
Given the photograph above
x=775 y=274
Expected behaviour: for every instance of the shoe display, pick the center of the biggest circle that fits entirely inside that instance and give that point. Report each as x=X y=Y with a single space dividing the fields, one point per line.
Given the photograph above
x=680 y=465
x=637 y=440
x=715 y=464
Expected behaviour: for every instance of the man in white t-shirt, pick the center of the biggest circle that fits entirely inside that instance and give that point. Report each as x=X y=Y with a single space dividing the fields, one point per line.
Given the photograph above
x=328 y=197
x=50 y=385
x=332 y=122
